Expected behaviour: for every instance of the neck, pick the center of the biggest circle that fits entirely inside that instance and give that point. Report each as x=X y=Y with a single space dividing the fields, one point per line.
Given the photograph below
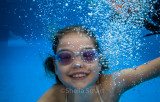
x=82 y=95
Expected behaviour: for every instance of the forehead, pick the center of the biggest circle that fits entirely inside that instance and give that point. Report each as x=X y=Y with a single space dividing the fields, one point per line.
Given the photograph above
x=75 y=41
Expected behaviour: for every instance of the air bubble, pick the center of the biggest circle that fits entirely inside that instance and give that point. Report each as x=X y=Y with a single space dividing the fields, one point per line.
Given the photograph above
x=72 y=46
x=119 y=83
x=145 y=63
x=90 y=14
x=80 y=7
x=134 y=67
x=119 y=73
x=66 y=4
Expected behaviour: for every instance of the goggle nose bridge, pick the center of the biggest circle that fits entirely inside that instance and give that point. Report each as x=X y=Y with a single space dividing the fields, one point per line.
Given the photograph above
x=77 y=54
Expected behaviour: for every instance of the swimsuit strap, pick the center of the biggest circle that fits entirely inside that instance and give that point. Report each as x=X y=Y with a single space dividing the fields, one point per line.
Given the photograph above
x=99 y=94
x=97 y=91
x=66 y=96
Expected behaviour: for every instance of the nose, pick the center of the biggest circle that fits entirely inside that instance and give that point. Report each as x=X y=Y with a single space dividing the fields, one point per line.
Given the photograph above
x=77 y=65
x=77 y=62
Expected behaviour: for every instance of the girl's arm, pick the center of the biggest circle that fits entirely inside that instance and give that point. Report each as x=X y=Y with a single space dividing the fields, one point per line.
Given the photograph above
x=128 y=78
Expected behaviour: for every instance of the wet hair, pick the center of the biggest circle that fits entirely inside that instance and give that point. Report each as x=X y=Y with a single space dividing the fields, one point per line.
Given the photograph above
x=49 y=62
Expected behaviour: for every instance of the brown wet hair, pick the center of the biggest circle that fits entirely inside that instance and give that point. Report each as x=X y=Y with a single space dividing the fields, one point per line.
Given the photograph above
x=49 y=62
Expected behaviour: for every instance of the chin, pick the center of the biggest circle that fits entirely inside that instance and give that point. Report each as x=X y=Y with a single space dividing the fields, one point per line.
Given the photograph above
x=80 y=86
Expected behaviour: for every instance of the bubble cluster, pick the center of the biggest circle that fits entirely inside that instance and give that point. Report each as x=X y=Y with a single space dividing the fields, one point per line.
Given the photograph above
x=117 y=24
x=118 y=37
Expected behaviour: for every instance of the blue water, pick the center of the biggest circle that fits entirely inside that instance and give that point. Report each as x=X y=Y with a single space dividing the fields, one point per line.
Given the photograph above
x=25 y=44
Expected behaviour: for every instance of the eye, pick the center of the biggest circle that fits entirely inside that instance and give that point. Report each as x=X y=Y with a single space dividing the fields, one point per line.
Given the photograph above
x=65 y=56
x=89 y=55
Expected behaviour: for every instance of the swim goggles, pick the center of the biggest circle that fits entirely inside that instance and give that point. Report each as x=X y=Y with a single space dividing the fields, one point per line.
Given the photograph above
x=66 y=57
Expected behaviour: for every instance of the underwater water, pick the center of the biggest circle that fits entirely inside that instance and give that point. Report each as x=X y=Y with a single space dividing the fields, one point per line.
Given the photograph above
x=27 y=27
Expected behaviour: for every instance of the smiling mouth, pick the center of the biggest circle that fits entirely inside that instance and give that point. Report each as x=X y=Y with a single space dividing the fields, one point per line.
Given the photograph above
x=79 y=75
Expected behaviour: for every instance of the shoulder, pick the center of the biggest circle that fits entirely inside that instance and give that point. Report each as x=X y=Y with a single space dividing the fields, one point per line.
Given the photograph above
x=108 y=88
x=52 y=94
x=106 y=79
x=107 y=82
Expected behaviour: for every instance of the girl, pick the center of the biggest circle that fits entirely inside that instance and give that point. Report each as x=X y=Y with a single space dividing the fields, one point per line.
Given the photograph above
x=78 y=67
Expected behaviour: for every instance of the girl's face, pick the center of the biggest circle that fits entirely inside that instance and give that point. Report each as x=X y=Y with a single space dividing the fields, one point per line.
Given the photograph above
x=78 y=74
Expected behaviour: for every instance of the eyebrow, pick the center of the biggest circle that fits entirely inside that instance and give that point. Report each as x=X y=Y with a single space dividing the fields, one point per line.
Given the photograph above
x=89 y=48
x=63 y=50
x=70 y=50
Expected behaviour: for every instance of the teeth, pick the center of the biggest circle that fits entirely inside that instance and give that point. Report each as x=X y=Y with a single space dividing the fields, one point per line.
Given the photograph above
x=79 y=75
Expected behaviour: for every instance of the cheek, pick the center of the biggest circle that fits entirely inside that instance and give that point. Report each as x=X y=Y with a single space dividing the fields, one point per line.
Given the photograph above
x=95 y=68
x=61 y=74
x=61 y=70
